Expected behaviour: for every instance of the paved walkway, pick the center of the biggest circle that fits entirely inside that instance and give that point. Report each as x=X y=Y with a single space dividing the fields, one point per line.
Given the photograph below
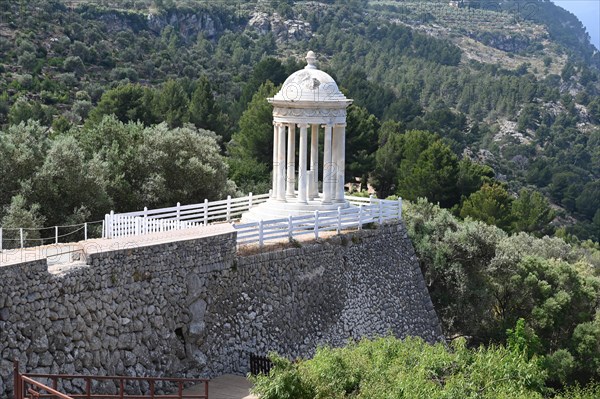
x=225 y=387
x=61 y=256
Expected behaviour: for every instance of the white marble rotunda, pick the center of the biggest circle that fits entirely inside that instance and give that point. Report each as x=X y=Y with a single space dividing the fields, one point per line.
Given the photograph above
x=309 y=101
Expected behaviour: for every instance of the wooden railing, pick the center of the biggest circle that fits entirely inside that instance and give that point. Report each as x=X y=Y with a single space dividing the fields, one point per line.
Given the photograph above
x=29 y=386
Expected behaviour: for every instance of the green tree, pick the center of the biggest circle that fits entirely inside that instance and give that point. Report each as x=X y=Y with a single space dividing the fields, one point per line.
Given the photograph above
x=74 y=64
x=28 y=61
x=471 y=176
x=130 y=102
x=267 y=69
x=388 y=158
x=68 y=187
x=22 y=150
x=182 y=165
x=117 y=145
x=202 y=106
x=491 y=204
x=172 y=104
x=433 y=176
x=20 y=215
x=531 y=213
x=361 y=143
x=588 y=202
x=23 y=110
x=254 y=139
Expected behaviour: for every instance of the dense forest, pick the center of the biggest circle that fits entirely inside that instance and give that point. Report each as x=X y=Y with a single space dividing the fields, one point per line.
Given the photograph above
x=484 y=116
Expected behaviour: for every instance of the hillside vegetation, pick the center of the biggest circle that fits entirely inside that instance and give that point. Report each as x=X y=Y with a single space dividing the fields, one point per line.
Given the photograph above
x=488 y=109
x=524 y=103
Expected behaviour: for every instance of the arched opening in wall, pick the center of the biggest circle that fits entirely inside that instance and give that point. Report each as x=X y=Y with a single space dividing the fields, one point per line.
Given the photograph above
x=179 y=335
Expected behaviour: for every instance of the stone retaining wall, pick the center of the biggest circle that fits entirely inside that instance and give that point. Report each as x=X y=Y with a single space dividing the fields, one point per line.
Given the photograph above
x=195 y=307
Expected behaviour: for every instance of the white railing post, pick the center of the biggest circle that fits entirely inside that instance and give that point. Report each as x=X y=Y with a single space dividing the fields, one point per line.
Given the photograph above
x=290 y=228
x=205 y=211
x=56 y=234
x=399 y=208
x=360 y=213
x=380 y=211
x=110 y=226
x=260 y=234
x=316 y=224
x=145 y=220
x=249 y=200
x=85 y=231
x=0 y=239
x=339 y=220
x=21 y=234
x=370 y=198
x=137 y=225
x=178 y=210
x=228 y=208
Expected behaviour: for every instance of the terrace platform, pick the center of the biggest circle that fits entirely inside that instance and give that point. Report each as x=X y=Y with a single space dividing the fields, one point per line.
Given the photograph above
x=225 y=387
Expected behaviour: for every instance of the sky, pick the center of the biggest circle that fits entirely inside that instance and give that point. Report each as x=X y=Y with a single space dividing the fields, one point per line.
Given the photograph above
x=588 y=12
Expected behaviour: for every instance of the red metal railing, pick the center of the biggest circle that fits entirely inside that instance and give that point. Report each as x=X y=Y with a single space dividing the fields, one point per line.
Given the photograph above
x=26 y=386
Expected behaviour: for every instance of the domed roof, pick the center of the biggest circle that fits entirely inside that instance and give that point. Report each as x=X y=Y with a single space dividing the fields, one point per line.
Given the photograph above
x=310 y=85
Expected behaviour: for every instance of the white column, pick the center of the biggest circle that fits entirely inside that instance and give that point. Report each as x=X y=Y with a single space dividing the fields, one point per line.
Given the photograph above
x=327 y=176
x=291 y=161
x=335 y=151
x=314 y=161
x=275 y=159
x=340 y=138
x=281 y=163
x=302 y=156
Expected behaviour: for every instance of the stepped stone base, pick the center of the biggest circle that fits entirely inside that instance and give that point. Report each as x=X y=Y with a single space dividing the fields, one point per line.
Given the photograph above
x=273 y=209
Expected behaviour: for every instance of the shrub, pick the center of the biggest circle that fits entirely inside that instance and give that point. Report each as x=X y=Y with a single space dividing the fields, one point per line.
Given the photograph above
x=393 y=368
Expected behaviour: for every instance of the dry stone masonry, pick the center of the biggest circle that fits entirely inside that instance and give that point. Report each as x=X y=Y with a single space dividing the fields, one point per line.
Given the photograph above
x=195 y=307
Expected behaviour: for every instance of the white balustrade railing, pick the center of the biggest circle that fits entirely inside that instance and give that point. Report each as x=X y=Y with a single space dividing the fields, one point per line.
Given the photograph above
x=178 y=217
x=365 y=210
x=368 y=210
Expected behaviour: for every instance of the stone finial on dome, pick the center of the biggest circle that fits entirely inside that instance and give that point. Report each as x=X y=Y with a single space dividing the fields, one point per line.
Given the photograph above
x=310 y=59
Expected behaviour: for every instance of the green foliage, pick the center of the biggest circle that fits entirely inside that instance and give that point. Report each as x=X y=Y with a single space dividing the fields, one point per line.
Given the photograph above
x=482 y=281
x=79 y=174
x=284 y=382
x=254 y=139
x=202 y=106
x=410 y=368
x=522 y=338
x=268 y=69
x=23 y=111
x=361 y=142
x=22 y=150
x=591 y=391
x=19 y=215
x=432 y=176
x=491 y=204
x=74 y=64
x=471 y=176
x=130 y=102
x=176 y=161
x=395 y=72
x=531 y=213
x=387 y=158
x=172 y=104
x=73 y=188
